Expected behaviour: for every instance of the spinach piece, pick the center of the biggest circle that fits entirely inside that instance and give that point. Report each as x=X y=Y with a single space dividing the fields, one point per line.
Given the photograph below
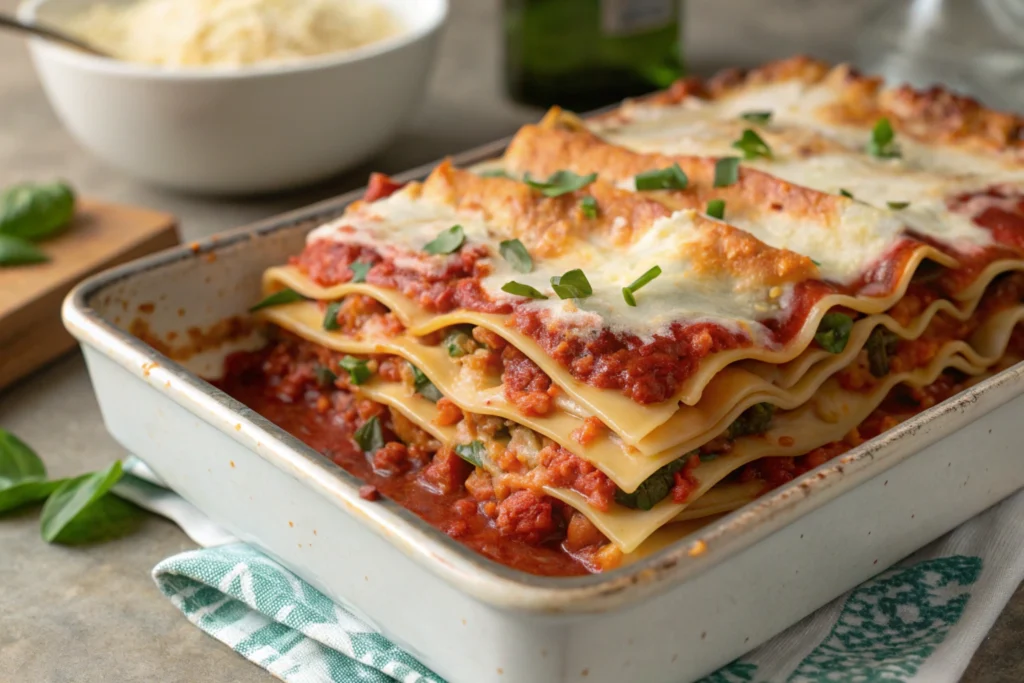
x=754 y=420
x=423 y=386
x=459 y=342
x=880 y=345
x=369 y=437
x=654 y=488
x=359 y=270
x=358 y=369
x=35 y=211
x=834 y=332
x=472 y=452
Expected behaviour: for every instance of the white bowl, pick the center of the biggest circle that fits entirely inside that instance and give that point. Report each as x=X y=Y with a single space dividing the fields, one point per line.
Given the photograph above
x=239 y=130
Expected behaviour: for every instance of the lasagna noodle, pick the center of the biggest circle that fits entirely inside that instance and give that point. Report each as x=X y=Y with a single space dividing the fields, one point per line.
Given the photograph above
x=730 y=393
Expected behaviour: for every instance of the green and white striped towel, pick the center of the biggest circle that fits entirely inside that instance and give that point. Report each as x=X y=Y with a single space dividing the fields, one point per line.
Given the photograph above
x=920 y=621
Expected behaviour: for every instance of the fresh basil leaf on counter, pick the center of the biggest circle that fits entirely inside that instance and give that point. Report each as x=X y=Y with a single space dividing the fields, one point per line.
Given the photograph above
x=727 y=171
x=15 y=251
x=654 y=488
x=572 y=285
x=447 y=242
x=15 y=494
x=472 y=452
x=73 y=498
x=519 y=289
x=369 y=437
x=35 y=211
x=17 y=459
x=516 y=254
x=285 y=296
x=834 y=332
x=671 y=178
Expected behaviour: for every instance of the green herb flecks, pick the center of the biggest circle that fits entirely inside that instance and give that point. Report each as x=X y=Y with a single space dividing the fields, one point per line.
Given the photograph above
x=358 y=370
x=654 y=488
x=494 y=173
x=459 y=343
x=671 y=178
x=897 y=206
x=883 y=141
x=369 y=437
x=756 y=116
x=572 y=285
x=727 y=171
x=325 y=377
x=447 y=242
x=752 y=145
x=284 y=296
x=628 y=292
x=834 y=332
x=846 y=193
x=561 y=182
x=516 y=254
x=472 y=452
x=519 y=289
x=716 y=209
x=588 y=205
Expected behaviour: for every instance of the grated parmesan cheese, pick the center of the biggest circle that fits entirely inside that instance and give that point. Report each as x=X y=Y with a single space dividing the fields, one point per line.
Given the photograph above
x=231 y=32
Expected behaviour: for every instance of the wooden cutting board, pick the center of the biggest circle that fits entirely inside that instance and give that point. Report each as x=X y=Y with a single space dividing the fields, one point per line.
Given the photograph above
x=102 y=235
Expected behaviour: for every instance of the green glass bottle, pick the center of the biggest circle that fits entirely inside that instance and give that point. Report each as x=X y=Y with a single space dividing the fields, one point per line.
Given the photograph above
x=583 y=54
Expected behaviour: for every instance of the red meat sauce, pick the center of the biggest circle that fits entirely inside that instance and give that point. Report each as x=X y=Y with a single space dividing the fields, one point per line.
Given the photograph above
x=524 y=530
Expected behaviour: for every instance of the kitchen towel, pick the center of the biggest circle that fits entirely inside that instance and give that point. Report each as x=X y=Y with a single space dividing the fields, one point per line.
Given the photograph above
x=919 y=621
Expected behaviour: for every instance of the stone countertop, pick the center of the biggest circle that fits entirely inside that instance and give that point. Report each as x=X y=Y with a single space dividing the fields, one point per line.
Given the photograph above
x=93 y=614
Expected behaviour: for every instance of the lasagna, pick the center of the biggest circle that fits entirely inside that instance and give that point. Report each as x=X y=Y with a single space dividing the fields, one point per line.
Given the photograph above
x=631 y=324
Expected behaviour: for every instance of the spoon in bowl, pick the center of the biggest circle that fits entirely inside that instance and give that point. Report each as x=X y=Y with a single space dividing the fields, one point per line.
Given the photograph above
x=8 y=21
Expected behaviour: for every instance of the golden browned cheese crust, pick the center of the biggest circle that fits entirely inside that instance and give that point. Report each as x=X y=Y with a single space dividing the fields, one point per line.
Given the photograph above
x=935 y=115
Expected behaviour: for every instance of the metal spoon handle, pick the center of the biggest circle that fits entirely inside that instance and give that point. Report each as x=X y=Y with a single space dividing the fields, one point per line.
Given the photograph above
x=7 y=21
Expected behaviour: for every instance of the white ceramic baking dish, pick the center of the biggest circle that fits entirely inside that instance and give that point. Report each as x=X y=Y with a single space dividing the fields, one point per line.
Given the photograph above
x=669 y=618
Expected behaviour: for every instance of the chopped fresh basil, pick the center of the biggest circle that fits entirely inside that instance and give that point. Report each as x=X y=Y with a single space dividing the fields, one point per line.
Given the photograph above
x=716 y=208
x=754 y=420
x=561 y=182
x=472 y=452
x=752 y=145
x=834 y=332
x=494 y=173
x=654 y=488
x=880 y=345
x=369 y=437
x=423 y=386
x=817 y=263
x=572 y=285
x=17 y=251
x=671 y=178
x=519 y=289
x=285 y=296
x=846 y=193
x=756 y=116
x=324 y=376
x=516 y=254
x=359 y=271
x=628 y=292
x=883 y=141
x=358 y=370
x=447 y=242
x=588 y=205
x=331 y=316
x=727 y=171
x=896 y=206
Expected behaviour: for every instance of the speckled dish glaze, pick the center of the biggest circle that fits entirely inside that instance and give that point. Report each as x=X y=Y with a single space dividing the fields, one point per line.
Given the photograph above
x=668 y=618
